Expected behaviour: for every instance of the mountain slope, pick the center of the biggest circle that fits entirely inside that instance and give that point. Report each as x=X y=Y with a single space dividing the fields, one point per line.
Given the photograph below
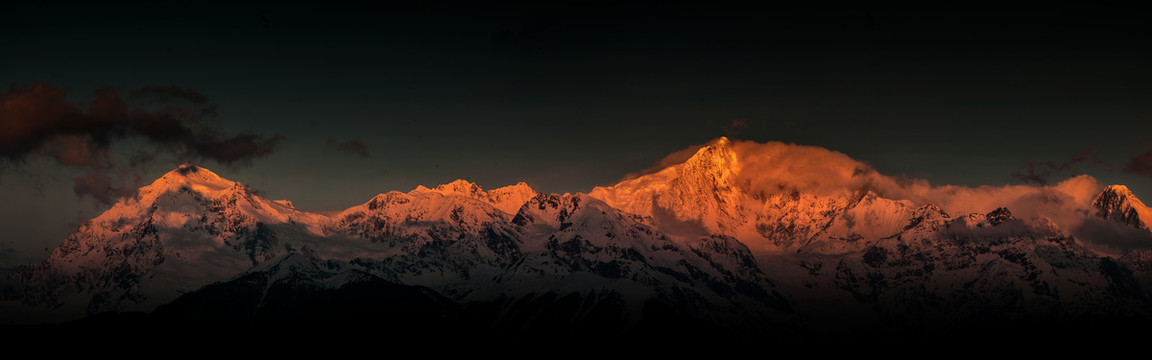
x=949 y=275
x=187 y=229
x=707 y=194
x=884 y=261
x=557 y=249
x=698 y=194
x=1117 y=203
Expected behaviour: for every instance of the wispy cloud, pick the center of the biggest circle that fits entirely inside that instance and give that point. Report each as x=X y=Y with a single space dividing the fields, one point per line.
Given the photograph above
x=1140 y=164
x=735 y=127
x=354 y=147
x=779 y=168
x=1042 y=173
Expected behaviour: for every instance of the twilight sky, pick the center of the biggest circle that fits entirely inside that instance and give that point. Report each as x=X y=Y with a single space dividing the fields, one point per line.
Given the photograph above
x=330 y=106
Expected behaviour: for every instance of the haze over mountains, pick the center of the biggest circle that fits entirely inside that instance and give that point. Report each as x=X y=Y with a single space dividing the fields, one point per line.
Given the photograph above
x=736 y=238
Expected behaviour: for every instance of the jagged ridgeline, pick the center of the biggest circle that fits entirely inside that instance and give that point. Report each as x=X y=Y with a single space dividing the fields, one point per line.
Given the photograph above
x=732 y=243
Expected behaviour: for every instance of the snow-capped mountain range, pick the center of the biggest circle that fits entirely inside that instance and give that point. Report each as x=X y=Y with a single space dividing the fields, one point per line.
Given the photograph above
x=688 y=242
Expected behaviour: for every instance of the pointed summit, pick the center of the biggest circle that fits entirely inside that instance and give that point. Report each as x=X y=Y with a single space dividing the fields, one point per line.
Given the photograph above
x=928 y=217
x=1117 y=203
x=999 y=216
x=460 y=186
x=1117 y=192
x=508 y=199
x=700 y=191
x=717 y=155
x=456 y=187
x=190 y=189
x=720 y=141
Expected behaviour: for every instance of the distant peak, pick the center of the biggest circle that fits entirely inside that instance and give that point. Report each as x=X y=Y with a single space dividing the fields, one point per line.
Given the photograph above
x=1118 y=190
x=999 y=216
x=931 y=208
x=507 y=199
x=462 y=186
x=720 y=141
x=458 y=186
x=930 y=211
x=520 y=187
x=1117 y=203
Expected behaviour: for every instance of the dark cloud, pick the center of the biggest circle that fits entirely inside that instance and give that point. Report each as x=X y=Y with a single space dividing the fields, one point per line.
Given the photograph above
x=74 y=150
x=33 y=117
x=1041 y=173
x=1140 y=164
x=734 y=127
x=40 y=121
x=354 y=146
x=167 y=94
x=102 y=187
x=241 y=147
x=1116 y=236
x=187 y=169
x=1031 y=173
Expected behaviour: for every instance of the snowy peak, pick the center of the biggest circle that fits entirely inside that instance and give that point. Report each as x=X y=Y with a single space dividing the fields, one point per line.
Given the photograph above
x=929 y=218
x=460 y=187
x=508 y=199
x=562 y=211
x=999 y=216
x=1118 y=189
x=181 y=189
x=989 y=220
x=700 y=190
x=190 y=190
x=711 y=167
x=1117 y=203
x=398 y=218
x=716 y=160
x=194 y=176
x=191 y=177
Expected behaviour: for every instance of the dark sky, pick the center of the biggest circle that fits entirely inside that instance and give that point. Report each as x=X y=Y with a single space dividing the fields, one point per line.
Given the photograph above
x=566 y=97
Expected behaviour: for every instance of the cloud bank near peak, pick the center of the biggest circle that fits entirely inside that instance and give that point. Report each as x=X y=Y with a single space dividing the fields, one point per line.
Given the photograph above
x=40 y=121
x=776 y=167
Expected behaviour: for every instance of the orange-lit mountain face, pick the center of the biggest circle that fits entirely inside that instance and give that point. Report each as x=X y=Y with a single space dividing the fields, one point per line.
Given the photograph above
x=784 y=197
x=741 y=239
